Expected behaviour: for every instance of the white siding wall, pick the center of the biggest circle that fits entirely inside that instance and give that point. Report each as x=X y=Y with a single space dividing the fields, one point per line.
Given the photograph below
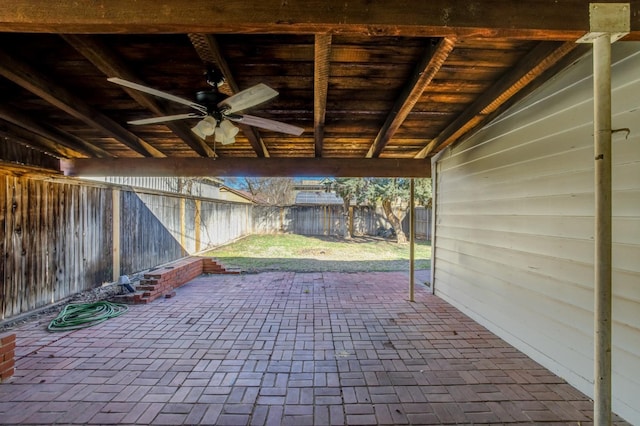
x=514 y=227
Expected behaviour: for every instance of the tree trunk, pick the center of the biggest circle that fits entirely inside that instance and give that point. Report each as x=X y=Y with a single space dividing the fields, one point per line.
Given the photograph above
x=346 y=232
x=395 y=222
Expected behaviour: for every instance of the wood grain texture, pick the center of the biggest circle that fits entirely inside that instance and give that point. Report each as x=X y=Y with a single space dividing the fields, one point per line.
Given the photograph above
x=567 y=19
x=352 y=75
x=37 y=83
x=351 y=167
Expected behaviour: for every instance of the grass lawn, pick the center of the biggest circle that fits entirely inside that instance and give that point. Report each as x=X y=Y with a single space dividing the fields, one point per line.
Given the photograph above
x=299 y=253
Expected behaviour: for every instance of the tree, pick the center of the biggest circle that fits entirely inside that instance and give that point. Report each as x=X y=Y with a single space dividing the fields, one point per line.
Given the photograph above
x=277 y=191
x=392 y=194
x=349 y=189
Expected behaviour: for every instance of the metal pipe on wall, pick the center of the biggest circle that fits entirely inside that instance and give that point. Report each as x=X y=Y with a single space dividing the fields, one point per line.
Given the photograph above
x=603 y=236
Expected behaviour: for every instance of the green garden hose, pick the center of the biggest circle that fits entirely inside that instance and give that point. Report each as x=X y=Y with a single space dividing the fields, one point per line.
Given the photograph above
x=81 y=315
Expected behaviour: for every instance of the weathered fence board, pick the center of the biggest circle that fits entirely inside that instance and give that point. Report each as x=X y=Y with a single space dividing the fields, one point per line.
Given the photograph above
x=150 y=224
x=52 y=244
x=221 y=223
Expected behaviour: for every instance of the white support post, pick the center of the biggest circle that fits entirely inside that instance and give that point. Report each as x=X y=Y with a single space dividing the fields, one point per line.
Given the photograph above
x=602 y=305
x=608 y=23
x=412 y=225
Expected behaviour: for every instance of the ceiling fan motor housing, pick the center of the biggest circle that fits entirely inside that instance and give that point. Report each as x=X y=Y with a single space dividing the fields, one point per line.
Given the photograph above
x=210 y=99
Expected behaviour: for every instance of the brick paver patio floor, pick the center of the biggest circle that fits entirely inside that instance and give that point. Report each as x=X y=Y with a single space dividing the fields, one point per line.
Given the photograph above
x=284 y=348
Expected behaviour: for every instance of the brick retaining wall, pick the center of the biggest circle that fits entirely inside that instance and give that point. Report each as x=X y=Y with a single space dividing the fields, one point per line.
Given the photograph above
x=7 y=355
x=161 y=281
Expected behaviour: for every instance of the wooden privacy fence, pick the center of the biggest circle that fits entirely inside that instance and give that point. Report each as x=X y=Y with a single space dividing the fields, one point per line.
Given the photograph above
x=60 y=238
x=330 y=220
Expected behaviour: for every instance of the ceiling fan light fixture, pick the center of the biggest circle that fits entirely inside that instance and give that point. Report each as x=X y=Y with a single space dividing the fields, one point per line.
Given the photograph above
x=228 y=129
x=205 y=127
x=226 y=133
x=224 y=140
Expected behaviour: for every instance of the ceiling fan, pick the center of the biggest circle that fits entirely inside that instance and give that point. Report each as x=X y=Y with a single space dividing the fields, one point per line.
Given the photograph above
x=215 y=110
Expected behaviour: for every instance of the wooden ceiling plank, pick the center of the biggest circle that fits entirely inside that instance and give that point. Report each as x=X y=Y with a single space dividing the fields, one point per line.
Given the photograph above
x=535 y=63
x=293 y=167
x=553 y=20
x=77 y=145
x=112 y=66
x=32 y=80
x=208 y=49
x=428 y=66
x=322 y=53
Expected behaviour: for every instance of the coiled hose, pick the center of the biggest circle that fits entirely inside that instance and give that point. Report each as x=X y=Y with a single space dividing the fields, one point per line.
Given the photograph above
x=80 y=315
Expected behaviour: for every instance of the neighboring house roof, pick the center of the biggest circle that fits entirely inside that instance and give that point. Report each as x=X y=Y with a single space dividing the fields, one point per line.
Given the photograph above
x=238 y=195
x=318 y=198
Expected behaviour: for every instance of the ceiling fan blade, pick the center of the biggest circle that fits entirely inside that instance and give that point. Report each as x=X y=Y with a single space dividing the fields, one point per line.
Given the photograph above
x=265 y=123
x=248 y=98
x=165 y=118
x=157 y=93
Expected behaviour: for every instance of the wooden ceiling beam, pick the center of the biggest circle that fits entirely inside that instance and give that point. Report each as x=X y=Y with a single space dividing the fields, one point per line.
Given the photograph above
x=553 y=20
x=209 y=51
x=428 y=66
x=534 y=64
x=112 y=66
x=78 y=147
x=270 y=167
x=322 y=54
x=40 y=85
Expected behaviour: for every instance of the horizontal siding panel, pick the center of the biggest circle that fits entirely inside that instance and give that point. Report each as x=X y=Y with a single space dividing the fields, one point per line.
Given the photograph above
x=575 y=227
x=625 y=204
x=625 y=256
x=626 y=230
x=509 y=267
x=526 y=186
x=571 y=205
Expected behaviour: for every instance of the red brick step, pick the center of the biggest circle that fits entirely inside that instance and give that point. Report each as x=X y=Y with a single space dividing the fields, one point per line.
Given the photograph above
x=163 y=280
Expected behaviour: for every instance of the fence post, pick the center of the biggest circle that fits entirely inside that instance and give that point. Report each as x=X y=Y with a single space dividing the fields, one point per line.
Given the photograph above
x=183 y=228
x=197 y=220
x=350 y=225
x=115 y=225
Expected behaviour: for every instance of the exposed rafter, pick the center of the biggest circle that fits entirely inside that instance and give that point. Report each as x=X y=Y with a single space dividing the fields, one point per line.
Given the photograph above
x=336 y=167
x=32 y=80
x=429 y=64
x=322 y=54
x=552 y=20
x=209 y=51
x=540 y=59
x=52 y=137
x=112 y=66
x=27 y=137
x=354 y=75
